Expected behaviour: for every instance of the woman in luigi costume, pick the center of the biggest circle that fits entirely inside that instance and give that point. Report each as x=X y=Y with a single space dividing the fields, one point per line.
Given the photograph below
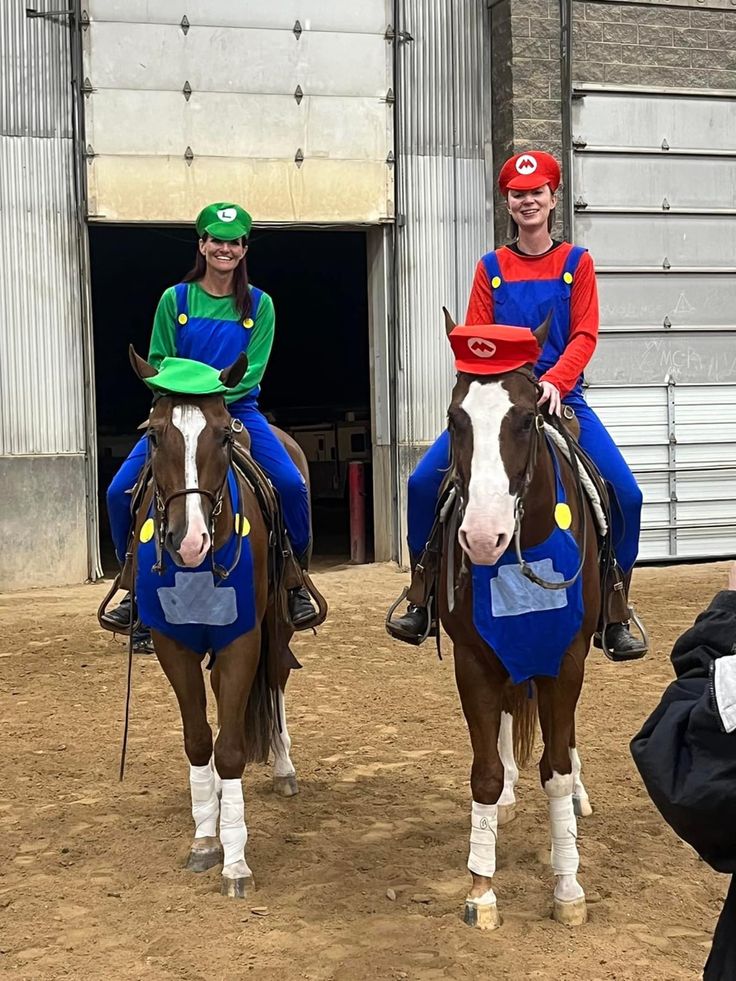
x=518 y=285
x=212 y=316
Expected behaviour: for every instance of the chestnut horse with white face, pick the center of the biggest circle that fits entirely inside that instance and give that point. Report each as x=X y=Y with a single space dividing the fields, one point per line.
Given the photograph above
x=503 y=470
x=198 y=507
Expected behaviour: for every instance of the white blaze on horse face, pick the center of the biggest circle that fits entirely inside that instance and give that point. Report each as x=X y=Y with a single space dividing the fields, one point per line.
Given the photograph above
x=489 y=513
x=190 y=421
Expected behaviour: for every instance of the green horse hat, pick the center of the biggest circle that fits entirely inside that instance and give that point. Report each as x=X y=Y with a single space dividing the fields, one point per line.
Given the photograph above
x=181 y=376
x=224 y=220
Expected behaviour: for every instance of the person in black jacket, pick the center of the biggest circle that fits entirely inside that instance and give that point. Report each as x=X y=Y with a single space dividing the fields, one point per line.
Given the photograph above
x=686 y=755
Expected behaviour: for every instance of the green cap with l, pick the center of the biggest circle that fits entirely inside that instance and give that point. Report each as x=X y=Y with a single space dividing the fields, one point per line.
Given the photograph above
x=224 y=220
x=182 y=376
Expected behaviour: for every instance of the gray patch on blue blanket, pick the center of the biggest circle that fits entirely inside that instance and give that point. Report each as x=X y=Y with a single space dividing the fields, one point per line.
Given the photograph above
x=513 y=595
x=194 y=599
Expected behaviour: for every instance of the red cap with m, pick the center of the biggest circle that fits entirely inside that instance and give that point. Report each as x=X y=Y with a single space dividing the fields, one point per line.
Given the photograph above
x=493 y=349
x=528 y=170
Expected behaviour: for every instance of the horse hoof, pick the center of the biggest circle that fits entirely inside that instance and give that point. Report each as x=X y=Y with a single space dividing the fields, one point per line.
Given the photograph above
x=237 y=888
x=204 y=854
x=286 y=786
x=582 y=806
x=506 y=814
x=482 y=916
x=571 y=914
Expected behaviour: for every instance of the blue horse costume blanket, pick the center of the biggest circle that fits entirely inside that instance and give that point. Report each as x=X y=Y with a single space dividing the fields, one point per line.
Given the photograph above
x=530 y=627
x=192 y=605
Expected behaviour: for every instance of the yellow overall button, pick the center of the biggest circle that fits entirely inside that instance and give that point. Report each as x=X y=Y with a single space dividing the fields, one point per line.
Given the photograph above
x=147 y=530
x=182 y=318
x=563 y=516
x=245 y=527
x=248 y=323
x=496 y=282
x=567 y=278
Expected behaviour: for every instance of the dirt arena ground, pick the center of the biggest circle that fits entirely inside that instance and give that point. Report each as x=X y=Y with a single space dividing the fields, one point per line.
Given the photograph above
x=363 y=874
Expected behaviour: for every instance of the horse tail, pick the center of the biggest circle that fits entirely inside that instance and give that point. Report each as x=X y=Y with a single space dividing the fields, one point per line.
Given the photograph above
x=261 y=712
x=521 y=702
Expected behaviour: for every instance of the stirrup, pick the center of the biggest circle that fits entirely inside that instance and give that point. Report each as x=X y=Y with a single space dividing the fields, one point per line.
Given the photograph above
x=390 y=630
x=599 y=640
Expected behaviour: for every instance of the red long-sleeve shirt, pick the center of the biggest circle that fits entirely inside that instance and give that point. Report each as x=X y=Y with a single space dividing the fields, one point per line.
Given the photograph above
x=584 y=312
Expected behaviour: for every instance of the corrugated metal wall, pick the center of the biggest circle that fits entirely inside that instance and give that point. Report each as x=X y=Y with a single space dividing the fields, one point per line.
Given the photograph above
x=41 y=390
x=442 y=226
x=44 y=508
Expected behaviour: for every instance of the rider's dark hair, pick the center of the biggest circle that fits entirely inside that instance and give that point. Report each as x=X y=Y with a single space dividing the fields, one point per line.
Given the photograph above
x=241 y=291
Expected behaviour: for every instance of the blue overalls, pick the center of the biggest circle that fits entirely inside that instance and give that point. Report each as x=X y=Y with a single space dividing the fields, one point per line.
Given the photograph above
x=218 y=343
x=521 y=304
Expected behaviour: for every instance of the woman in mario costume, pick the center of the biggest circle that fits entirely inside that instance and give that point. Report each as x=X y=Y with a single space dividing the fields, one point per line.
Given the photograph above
x=212 y=316
x=518 y=285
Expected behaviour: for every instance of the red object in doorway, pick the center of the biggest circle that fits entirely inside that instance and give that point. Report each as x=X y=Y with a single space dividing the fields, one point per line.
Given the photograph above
x=356 y=492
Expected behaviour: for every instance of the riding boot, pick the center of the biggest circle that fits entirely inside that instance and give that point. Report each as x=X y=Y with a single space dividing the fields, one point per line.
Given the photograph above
x=414 y=626
x=301 y=608
x=620 y=644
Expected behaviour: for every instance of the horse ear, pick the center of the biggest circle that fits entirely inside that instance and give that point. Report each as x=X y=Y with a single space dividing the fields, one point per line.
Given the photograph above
x=449 y=322
x=142 y=368
x=232 y=376
x=543 y=330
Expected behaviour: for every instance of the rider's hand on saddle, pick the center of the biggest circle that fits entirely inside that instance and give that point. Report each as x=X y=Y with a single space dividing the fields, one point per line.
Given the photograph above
x=732 y=576
x=550 y=394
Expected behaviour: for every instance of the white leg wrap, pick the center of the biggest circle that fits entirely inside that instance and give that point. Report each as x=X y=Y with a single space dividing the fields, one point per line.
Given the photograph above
x=506 y=752
x=281 y=745
x=565 y=859
x=563 y=825
x=205 y=805
x=233 y=833
x=218 y=781
x=483 y=835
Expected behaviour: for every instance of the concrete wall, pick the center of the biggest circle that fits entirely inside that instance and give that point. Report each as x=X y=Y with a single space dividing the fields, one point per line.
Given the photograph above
x=43 y=523
x=655 y=45
x=525 y=79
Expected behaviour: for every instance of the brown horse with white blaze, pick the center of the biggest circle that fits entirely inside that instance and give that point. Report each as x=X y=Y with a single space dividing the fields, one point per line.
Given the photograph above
x=503 y=470
x=191 y=440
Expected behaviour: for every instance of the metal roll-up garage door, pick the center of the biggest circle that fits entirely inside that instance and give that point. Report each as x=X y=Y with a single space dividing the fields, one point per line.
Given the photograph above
x=655 y=202
x=286 y=106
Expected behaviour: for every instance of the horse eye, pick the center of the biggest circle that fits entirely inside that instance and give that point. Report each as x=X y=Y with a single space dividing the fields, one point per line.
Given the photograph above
x=527 y=422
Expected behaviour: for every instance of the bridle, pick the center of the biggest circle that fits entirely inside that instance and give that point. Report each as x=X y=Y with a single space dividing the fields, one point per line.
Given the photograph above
x=454 y=518
x=162 y=503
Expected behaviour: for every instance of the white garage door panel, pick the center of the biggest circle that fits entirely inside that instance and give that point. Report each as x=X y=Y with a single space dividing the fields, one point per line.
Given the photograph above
x=316 y=15
x=151 y=57
x=647 y=240
x=162 y=189
x=155 y=155
x=703 y=300
x=666 y=347
x=162 y=123
x=645 y=121
x=645 y=182
x=644 y=358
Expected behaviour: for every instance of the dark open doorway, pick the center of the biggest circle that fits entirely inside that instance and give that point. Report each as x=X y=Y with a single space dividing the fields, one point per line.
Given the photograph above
x=317 y=385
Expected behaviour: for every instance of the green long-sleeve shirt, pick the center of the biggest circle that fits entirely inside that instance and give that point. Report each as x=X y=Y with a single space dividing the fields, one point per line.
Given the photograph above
x=202 y=304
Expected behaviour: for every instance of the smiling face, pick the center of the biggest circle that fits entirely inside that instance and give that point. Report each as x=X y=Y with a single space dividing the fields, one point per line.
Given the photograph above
x=222 y=257
x=531 y=209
